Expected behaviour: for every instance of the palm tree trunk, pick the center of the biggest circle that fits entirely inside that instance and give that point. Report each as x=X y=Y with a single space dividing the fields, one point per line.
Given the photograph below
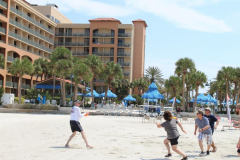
x=41 y=76
x=91 y=85
x=13 y=83
x=238 y=93
x=32 y=81
x=19 y=89
x=64 y=93
x=195 y=101
x=75 y=91
x=107 y=87
x=61 y=88
x=234 y=95
x=183 y=93
x=226 y=91
x=54 y=81
x=37 y=78
x=187 y=97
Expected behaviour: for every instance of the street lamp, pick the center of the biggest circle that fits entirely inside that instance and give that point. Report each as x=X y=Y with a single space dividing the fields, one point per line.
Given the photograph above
x=72 y=76
x=209 y=84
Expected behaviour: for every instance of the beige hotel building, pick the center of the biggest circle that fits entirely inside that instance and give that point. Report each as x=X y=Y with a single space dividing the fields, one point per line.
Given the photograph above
x=32 y=31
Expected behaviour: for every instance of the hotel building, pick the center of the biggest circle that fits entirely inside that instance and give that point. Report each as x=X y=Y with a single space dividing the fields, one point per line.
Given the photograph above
x=32 y=31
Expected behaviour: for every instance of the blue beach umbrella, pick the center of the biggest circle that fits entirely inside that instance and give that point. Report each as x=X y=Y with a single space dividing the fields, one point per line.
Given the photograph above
x=129 y=98
x=109 y=94
x=172 y=100
x=201 y=98
x=198 y=102
x=95 y=94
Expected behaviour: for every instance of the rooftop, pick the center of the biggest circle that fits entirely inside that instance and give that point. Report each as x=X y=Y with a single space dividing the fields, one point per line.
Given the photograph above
x=104 y=20
x=140 y=20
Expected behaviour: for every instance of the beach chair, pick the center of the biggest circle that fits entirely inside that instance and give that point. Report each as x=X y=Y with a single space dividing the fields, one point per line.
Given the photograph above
x=105 y=110
x=99 y=108
x=118 y=111
x=159 y=118
x=111 y=111
x=124 y=110
x=130 y=111
x=185 y=119
x=145 y=117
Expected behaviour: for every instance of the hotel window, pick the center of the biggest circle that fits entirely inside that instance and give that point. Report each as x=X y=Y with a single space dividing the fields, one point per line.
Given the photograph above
x=40 y=31
x=28 y=37
x=121 y=40
x=16 y=7
x=86 y=50
x=60 y=39
x=68 y=40
x=112 y=40
x=29 y=15
x=120 y=50
x=86 y=41
x=0 y=24
x=69 y=31
x=94 y=50
x=48 y=16
x=16 y=19
x=15 y=31
x=111 y=59
x=28 y=48
x=1 y=11
x=95 y=40
x=52 y=18
x=39 y=52
x=57 y=21
x=120 y=60
x=39 y=42
x=111 y=50
x=49 y=27
x=15 y=43
x=112 y=33
x=40 y=21
x=29 y=26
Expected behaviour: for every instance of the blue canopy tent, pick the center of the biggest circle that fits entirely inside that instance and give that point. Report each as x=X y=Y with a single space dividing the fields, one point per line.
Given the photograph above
x=152 y=93
x=46 y=86
x=109 y=94
x=201 y=98
x=129 y=98
x=172 y=100
x=95 y=94
x=198 y=102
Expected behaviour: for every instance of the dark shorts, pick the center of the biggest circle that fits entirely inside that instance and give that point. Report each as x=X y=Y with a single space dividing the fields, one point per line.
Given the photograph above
x=75 y=126
x=173 y=141
x=238 y=150
x=212 y=130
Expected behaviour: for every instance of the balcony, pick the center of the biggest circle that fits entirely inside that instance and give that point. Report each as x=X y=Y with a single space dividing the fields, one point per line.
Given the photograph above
x=25 y=50
x=124 y=34
x=103 y=34
x=72 y=34
x=11 y=59
x=124 y=64
x=2 y=30
x=10 y=84
x=71 y=44
x=23 y=15
x=80 y=53
x=19 y=25
x=124 y=44
x=123 y=54
x=25 y=86
x=126 y=74
x=1 y=82
x=28 y=41
x=104 y=54
x=103 y=42
x=4 y=4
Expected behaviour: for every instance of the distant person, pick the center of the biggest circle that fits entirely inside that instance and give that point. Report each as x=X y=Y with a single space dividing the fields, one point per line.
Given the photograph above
x=75 y=125
x=170 y=126
x=212 y=119
x=204 y=129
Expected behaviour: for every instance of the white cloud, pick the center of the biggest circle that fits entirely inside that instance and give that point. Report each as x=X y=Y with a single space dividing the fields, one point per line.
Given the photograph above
x=178 y=12
x=182 y=17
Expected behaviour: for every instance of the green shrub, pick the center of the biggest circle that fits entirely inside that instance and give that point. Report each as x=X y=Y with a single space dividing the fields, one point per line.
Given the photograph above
x=28 y=106
x=138 y=101
x=1 y=94
x=16 y=100
x=48 y=107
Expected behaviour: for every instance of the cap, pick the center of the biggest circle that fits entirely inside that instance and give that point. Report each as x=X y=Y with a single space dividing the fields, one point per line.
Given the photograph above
x=208 y=109
x=77 y=101
x=200 y=112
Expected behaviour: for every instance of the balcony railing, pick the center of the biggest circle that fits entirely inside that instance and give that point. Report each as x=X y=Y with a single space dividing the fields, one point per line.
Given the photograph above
x=11 y=59
x=3 y=30
x=126 y=74
x=25 y=50
x=4 y=4
x=23 y=15
x=1 y=82
x=103 y=34
x=103 y=42
x=10 y=84
x=123 y=54
x=124 y=63
x=71 y=44
x=25 y=86
x=72 y=34
x=124 y=44
x=124 y=34
x=30 y=30
x=80 y=53
x=103 y=54
x=17 y=36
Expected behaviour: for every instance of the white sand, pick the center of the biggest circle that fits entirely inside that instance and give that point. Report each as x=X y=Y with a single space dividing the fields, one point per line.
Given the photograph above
x=37 y=136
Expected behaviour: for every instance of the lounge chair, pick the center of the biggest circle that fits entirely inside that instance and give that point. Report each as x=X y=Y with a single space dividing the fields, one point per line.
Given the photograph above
x=105 y=110
x=118 y=111
x=145 y=117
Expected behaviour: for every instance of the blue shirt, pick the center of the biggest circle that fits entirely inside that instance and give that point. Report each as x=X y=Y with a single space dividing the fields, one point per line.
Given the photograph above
x=212 y=119
x=203 y=123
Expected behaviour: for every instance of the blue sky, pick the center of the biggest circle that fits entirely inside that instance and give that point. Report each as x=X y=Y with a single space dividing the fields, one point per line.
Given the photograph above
x=208 y=31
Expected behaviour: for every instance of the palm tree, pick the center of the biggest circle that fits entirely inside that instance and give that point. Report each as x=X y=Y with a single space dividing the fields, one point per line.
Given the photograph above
x=23 y=67
x=63 y=68
x=2 y=61
x=96 y=67
x=58 y=54
x=142 y=85
x=234 y=79
x=133 y=85
x=13 y=71
x=113 y=75
x=154 y=74
x=225 y=75
x=173 y=83
x=184 y=66
x=81 y=72
x=198 y=78
x=238 y=75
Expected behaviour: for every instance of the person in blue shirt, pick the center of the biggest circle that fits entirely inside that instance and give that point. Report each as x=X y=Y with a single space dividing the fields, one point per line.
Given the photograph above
x=212 y=119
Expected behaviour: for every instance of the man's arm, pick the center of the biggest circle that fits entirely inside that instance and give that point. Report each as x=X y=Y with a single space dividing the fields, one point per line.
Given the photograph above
x=79 y=113
x=196 y=126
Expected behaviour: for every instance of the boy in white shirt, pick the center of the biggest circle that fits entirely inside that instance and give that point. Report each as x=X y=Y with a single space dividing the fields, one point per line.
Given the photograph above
x=75 y=125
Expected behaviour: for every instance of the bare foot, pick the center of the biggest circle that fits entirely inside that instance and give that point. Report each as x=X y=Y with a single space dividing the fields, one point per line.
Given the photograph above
x=67 y=146
x=88 y=146
x=214 y=149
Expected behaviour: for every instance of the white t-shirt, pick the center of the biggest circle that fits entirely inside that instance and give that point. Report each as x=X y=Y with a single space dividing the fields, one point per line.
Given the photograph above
x=76 y=114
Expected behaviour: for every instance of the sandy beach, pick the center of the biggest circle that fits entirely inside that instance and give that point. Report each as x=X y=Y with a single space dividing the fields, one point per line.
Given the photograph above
x=43 y=136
